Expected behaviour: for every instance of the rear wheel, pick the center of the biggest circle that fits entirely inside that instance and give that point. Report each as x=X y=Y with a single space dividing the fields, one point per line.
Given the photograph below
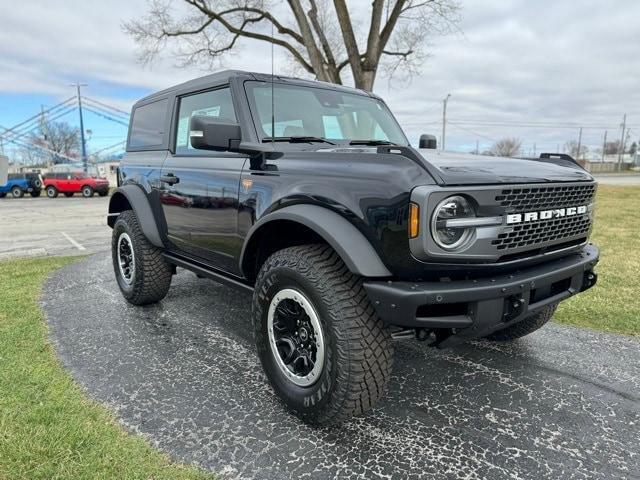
x=68 y=194
x=17 y=192
x=87 y=191
x=142 y=272
x=324 y=350
x=524 y=327
x=52 y=192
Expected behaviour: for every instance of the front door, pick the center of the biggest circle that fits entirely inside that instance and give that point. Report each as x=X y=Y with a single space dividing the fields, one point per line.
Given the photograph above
x=199 y=188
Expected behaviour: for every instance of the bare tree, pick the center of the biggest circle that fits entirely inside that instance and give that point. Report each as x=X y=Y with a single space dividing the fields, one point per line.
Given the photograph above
x=571 y=147
x=612 y=148
x=319 y=36
x=58 y=137
x=507 y=147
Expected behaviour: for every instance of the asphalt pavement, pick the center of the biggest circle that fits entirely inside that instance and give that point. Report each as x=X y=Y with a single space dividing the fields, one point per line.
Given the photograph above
x=34 y=227
x=562 y=403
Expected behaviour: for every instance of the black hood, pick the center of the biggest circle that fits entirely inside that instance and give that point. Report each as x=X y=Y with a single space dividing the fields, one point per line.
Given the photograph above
x=467 y=169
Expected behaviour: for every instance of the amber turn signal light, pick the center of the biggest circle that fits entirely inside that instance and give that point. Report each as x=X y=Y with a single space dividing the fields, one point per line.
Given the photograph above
x=414 y=220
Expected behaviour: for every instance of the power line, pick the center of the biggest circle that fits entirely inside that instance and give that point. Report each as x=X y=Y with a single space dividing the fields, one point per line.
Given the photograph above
x=113 y=119
x=455 y=124
x=91 y=100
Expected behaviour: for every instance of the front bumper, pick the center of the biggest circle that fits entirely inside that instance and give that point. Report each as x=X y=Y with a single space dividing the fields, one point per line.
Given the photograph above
x=476 y=308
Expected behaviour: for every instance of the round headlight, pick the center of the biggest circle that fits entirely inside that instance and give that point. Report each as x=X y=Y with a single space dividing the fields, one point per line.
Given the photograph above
x=447 y=233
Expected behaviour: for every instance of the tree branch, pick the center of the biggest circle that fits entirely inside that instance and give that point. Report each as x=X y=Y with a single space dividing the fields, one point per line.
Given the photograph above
x=328 y=53
x=391 y=24
x=219 y=17
x=373 y=41
x=315 y=56
x=349 y=38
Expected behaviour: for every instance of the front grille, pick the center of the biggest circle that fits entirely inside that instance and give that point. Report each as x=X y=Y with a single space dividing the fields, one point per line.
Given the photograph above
x=541 y=198
x=543 y=231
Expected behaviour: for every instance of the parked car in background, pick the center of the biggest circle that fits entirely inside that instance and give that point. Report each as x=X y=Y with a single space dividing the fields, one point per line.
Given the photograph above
x=34 y=180
x=15 y=187
x=77 y=182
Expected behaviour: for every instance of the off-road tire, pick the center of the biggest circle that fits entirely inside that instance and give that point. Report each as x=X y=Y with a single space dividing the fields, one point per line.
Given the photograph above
x=35 y=193
x=68 y=194
x=87 y=191
x=524 y=327
x=152 y=273
x=358 y=346
x=17 y=192
x=52 y=192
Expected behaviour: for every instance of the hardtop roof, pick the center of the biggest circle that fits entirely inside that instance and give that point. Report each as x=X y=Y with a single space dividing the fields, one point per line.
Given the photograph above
x=226 y=75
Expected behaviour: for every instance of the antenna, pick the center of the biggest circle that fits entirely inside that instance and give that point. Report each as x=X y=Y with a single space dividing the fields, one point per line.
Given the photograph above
x=273 y=113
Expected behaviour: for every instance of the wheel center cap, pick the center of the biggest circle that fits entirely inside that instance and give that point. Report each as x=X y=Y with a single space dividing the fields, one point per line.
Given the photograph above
x=304 y=334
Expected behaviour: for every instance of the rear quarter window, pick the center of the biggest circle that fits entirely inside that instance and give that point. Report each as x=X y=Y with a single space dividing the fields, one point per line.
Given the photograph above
x=147 y=125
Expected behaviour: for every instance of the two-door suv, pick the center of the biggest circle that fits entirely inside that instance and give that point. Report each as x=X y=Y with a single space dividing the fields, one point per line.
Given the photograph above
x=69 y=183
x=309 y=196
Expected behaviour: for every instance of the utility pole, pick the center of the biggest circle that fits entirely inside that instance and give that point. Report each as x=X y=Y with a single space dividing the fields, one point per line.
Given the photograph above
x=622 y=142
x=82 y=140
x=579 y=144
x=444 y=118
x=534 y=149
x=476 y=146
x=604 y=145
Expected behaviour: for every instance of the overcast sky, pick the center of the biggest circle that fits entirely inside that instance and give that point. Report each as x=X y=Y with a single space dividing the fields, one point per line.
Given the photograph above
x=544 y=61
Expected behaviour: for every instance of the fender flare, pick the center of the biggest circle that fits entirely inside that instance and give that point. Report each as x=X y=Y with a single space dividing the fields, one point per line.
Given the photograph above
x=348 y=242
x=139 y=203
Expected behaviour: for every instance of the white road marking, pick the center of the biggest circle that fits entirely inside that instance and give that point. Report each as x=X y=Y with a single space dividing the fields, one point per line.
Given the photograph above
x=73 y=242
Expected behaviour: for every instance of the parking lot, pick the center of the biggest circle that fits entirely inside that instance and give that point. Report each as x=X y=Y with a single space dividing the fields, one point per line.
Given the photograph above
x=33 y=227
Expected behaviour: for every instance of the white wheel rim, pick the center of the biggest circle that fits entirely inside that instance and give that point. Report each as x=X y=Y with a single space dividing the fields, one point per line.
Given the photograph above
x=313 y=341
x=126 y=258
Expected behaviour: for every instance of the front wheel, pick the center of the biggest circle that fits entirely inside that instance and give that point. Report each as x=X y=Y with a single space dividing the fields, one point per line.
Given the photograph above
x=87 y=191
x=17 y=192
x=142 y=272
x=323 y=348
x=52 y=192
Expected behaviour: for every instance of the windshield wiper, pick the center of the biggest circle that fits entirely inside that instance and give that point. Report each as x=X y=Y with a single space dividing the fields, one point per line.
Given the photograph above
x=371 y=142
x=300 y=139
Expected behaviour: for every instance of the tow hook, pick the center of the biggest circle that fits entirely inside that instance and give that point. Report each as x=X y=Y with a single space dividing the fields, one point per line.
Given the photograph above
x=513 y=307
x=589 y=280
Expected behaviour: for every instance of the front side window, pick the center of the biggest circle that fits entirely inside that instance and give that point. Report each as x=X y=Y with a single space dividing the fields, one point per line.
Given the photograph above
x=147 y=125
x=215 y=103
x=301 y=111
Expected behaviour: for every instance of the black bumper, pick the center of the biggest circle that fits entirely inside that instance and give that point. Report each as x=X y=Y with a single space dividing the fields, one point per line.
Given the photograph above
x=475 y=308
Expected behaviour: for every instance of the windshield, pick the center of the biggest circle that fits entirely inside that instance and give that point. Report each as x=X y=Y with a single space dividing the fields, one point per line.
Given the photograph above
x=320 y=113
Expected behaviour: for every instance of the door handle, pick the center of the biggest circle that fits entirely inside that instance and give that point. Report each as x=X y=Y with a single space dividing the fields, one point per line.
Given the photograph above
x=170 y=178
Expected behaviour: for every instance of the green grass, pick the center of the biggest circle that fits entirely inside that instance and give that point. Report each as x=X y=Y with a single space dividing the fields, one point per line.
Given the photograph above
x=48 y=429
x=613 y=304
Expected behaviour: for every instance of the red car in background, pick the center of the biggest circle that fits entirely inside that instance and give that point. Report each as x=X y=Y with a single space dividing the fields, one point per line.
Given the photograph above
x=70 y=183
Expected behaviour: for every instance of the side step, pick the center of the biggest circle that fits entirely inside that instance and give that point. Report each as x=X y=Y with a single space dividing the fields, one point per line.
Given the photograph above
x=206 y=271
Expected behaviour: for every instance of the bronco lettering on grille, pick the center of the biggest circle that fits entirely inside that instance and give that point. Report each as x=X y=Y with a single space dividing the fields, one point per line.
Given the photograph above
x=545 y=214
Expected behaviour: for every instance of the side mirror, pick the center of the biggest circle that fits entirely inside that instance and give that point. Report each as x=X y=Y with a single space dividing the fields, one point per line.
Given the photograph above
x=212 y=133
x=428 y=141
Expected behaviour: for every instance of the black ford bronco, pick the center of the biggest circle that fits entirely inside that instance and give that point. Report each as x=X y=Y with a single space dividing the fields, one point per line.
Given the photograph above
x=310 y=196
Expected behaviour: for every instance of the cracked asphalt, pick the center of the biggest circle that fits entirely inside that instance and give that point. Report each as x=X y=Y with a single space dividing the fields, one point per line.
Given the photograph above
x=561 y=403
